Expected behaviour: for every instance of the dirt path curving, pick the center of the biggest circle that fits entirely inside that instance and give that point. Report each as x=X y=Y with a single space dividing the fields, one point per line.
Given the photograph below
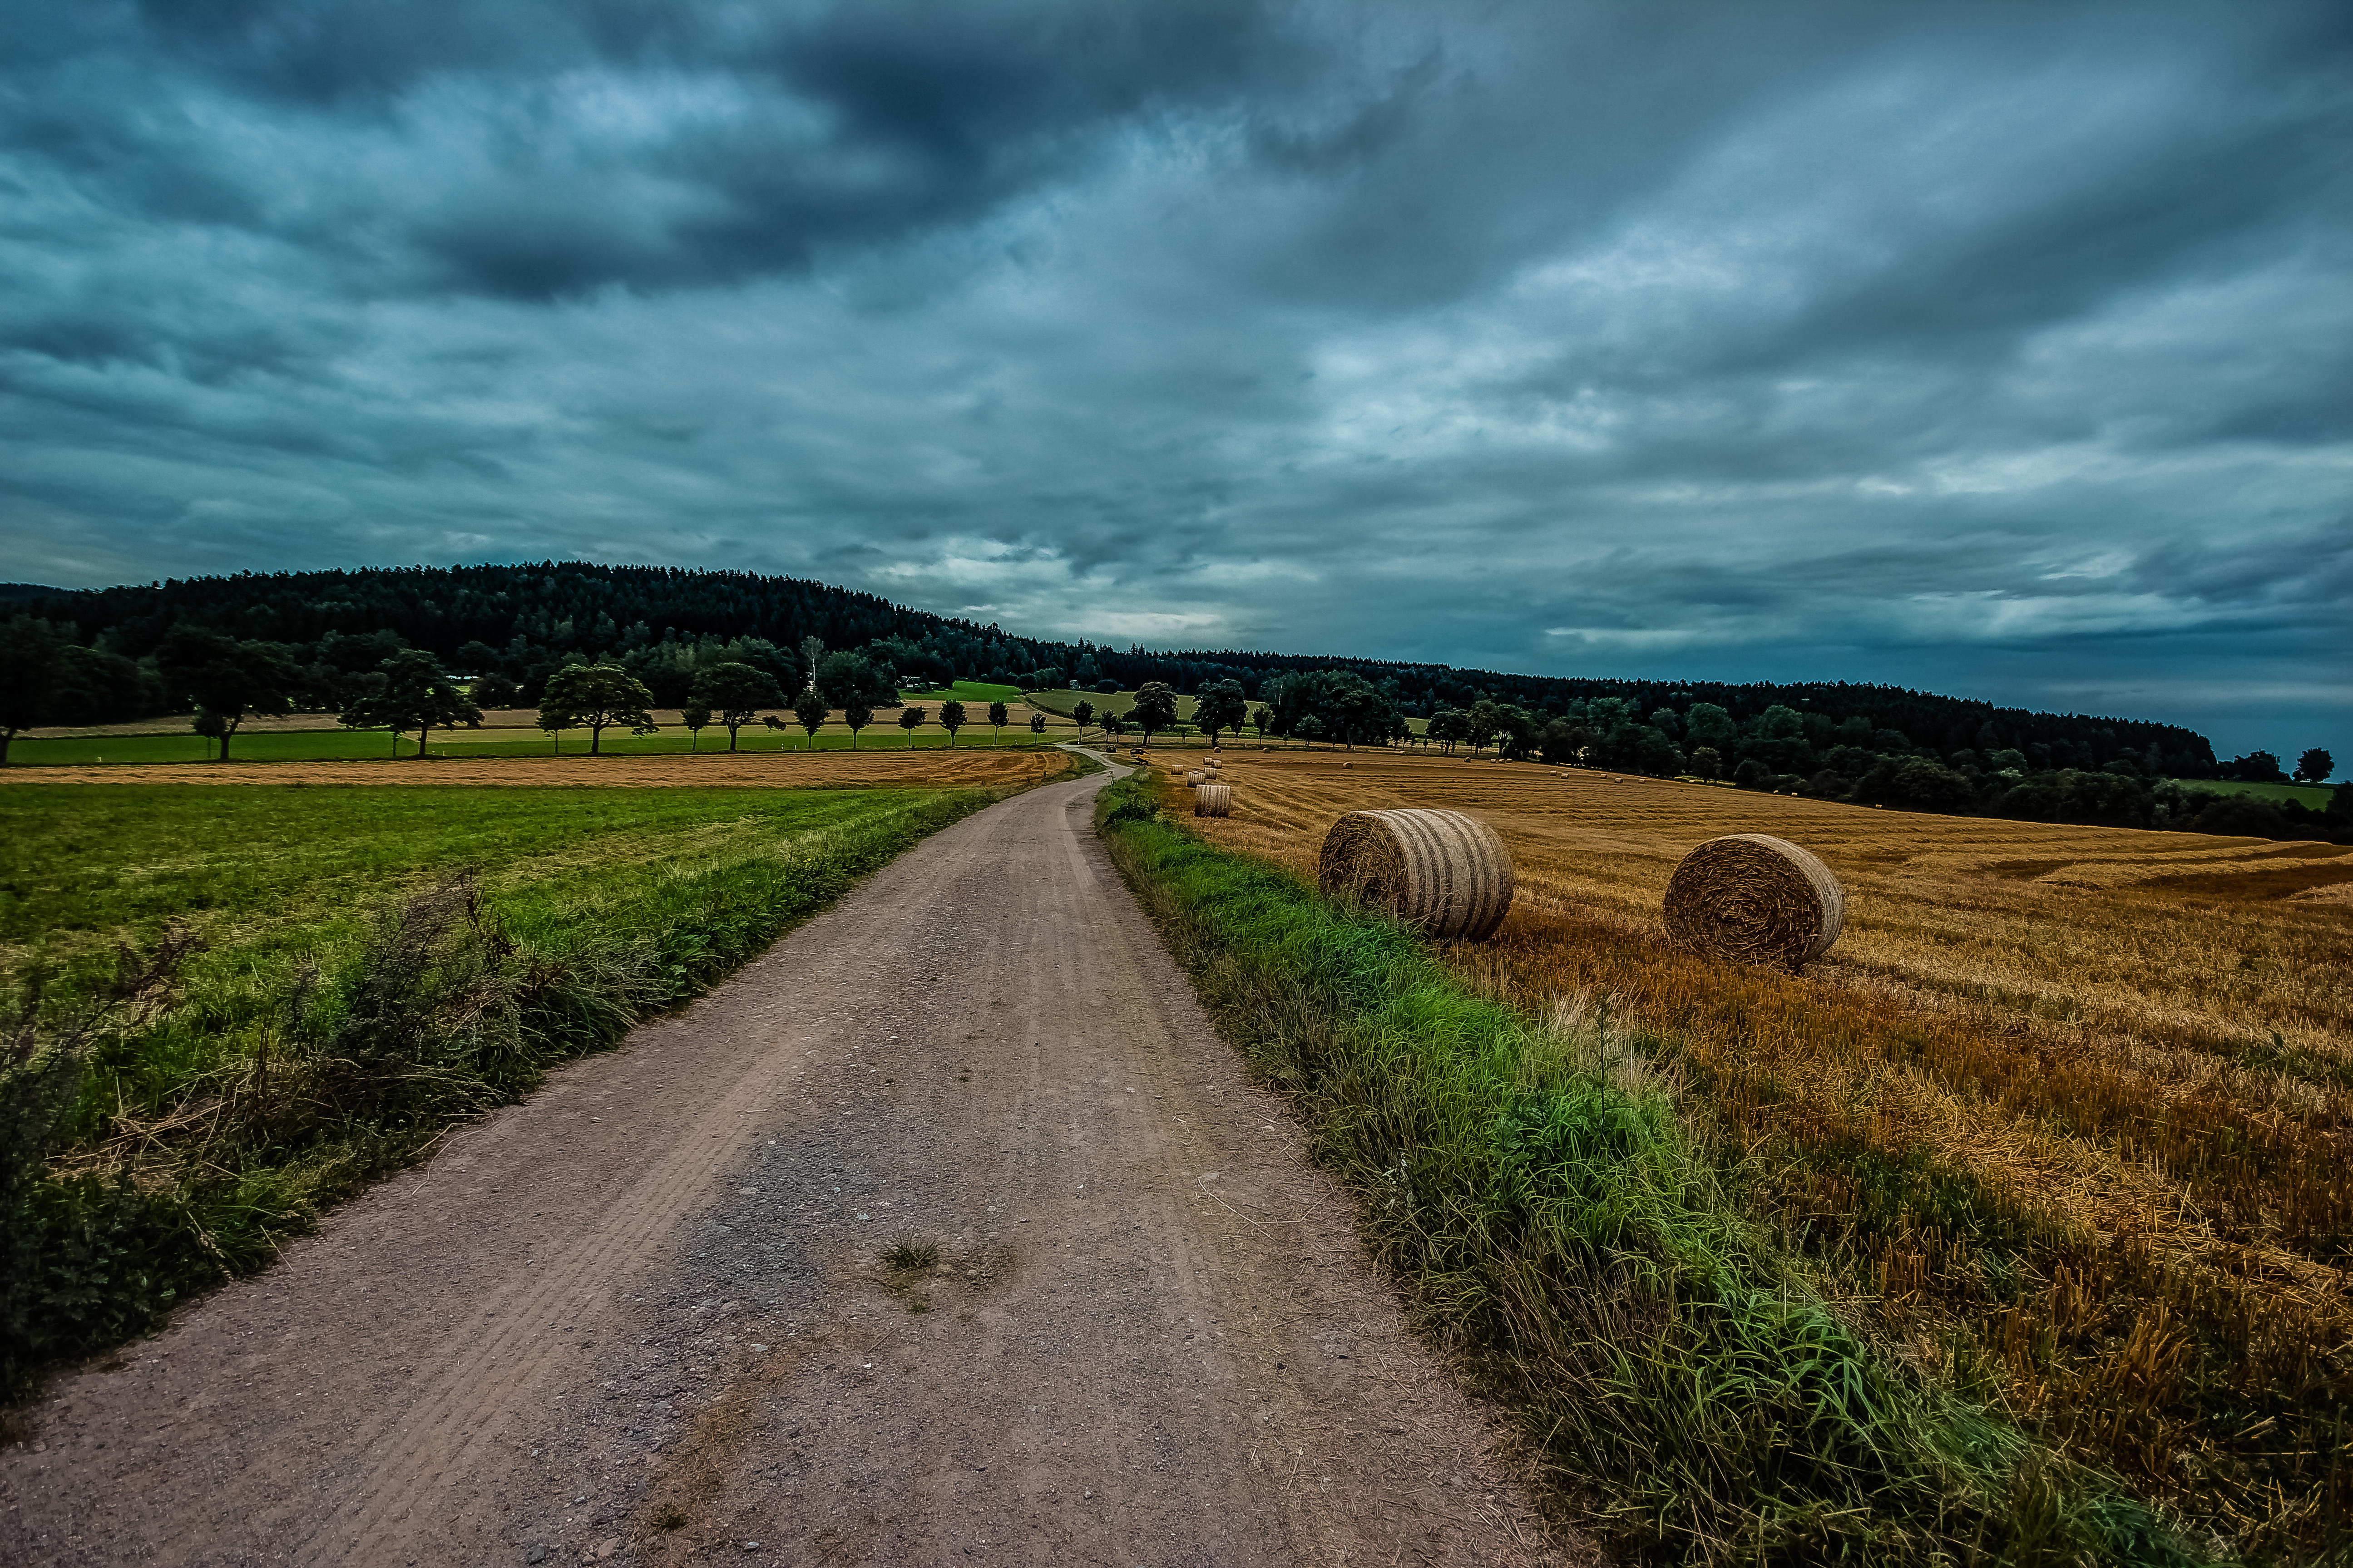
x=651 y=1316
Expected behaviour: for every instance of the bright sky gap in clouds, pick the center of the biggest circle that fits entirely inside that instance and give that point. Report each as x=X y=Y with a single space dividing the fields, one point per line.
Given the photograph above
x=1999 y=349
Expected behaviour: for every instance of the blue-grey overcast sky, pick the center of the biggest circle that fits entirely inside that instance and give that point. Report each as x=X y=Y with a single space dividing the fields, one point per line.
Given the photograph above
x=1998 y=349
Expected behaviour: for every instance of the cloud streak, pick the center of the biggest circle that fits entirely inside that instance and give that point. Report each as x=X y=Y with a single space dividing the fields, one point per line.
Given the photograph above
x=1989 y=349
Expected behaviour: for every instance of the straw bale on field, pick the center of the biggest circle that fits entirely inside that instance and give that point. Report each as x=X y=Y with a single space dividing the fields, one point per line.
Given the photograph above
x=1441 y=870
x=1755 y=898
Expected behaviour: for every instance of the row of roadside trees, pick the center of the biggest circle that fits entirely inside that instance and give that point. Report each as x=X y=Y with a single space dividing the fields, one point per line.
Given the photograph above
x=227 y=681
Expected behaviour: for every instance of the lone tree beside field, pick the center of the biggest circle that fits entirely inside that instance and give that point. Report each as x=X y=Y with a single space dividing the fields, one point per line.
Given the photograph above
x=1083 y=715
x=32 y=657
x=226 y=678
x=696 y=718
x=595 y=697
x=2315 y=766
x=996 y=717
x=951 y=717
x=1223 y=706
x=411 y=693
x=736 y=692
x=810 y=709
x=857 y=716
x=1156 y=707
x=910 y=719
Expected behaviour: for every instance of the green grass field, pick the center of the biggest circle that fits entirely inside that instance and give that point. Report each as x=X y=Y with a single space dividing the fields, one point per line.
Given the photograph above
x=375 y=963
x=2313 y=797
x=496 y=739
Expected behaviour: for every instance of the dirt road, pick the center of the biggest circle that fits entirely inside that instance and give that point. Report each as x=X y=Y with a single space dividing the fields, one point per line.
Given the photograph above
x=649 y=1316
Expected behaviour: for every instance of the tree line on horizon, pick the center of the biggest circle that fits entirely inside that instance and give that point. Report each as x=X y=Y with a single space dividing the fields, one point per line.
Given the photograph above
x=507 y=630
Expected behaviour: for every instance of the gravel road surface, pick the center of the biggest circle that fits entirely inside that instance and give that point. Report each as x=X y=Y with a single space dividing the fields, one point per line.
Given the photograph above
x=948 y=1231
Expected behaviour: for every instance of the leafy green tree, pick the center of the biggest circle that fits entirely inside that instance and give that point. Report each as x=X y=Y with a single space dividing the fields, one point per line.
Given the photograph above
x=910 y=719
x=737 y=692
x=1083 y=714
x=1310 y=729
x=494 y=690
x=810 y=709
x=595 y=697
x=411 y=693
x=1156 y=707
x=812 y=650
x=1036 y=723
x=697 y=718
x=1482 y=725
x=857 y=716
x=227 y=678
x=1706 y=724
x=1222 y=706
x=996 y=717
x=846 y=678
x=952 y=718
x=1708 y=762
x=32 y=659
x=2313 y=767
x=1261 y=717
x=1112 y=724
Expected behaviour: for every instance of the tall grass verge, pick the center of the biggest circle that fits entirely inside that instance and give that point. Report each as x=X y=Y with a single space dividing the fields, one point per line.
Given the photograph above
x=1698 y=1400
x=166 y=1126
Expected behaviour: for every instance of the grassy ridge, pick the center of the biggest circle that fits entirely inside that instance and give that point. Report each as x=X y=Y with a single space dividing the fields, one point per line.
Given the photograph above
x=345 y=992
x=1699 y=1399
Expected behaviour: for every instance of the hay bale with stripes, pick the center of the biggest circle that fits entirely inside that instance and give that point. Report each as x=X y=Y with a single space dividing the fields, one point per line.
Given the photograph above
x=1196 y=777
x=1755 y=898
x=1213 y=800
x=1441 y=870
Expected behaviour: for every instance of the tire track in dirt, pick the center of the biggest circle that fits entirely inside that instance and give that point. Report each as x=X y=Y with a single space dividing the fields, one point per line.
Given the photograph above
x=642 y=1316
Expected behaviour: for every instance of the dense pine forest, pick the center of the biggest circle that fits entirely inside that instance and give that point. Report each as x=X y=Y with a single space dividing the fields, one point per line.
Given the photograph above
x=511 y=626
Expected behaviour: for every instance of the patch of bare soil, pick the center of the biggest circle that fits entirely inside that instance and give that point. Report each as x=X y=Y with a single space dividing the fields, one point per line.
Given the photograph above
x=979 y=768
x=829 y=1268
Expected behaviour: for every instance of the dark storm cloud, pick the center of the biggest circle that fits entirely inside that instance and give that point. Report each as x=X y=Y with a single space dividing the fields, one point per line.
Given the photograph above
x=1980 y=347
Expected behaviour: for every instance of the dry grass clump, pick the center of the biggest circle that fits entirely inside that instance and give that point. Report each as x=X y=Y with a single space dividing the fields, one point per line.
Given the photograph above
x=2068 y=1114
x=1441 y=871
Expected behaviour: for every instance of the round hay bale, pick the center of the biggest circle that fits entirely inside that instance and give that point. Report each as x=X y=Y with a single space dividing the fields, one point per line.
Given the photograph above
x=1196 y=776
x=1441 y=870
x=1213 y=800
x=1755 y=898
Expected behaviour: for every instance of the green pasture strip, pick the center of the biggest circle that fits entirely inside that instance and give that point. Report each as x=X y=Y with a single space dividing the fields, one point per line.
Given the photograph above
x=967 y=691
x=1698 y=1400
x=491 y=740
x=2312 y=798
x=352 y=1000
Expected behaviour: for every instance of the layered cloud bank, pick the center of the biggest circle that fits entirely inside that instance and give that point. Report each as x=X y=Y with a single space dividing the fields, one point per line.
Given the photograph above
x=1986 y=349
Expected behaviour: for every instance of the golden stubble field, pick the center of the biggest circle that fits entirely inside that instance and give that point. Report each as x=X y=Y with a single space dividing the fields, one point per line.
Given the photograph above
x=2068 y=1111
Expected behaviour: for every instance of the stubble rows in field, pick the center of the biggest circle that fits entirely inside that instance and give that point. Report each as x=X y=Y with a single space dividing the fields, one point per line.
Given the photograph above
x=2068 y=1111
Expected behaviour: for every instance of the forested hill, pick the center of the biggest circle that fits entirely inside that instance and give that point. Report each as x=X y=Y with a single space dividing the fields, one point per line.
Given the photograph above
x=523 y=621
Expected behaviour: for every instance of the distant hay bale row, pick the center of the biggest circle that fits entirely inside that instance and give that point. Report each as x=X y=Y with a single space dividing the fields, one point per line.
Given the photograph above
x=1755 y=898
x=1213 y=800
x=1440 y=870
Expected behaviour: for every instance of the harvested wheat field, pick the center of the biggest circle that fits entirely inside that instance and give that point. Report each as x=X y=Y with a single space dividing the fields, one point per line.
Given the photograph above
x=933 y=769
x=2066 y=1112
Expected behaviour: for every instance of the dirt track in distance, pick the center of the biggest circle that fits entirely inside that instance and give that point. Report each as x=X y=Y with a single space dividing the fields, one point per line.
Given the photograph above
x=647 y=1316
